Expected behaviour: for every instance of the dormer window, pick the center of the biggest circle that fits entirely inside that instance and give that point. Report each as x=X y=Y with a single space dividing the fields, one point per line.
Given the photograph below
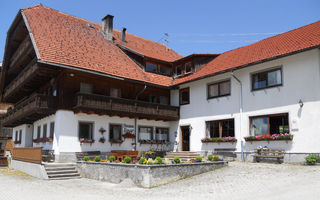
x=188 y=68
x=151 y=67
x=179 y=70
x=165 y=70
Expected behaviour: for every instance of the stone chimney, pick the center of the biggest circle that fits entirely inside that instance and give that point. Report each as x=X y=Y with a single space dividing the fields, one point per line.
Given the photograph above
x=123 y=35
x=107 y=27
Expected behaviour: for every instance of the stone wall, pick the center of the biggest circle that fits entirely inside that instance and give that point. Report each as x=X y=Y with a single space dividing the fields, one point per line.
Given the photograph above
x=144 y=175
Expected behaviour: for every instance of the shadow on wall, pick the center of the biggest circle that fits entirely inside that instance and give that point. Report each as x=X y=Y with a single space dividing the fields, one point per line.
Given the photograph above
x=285 y=145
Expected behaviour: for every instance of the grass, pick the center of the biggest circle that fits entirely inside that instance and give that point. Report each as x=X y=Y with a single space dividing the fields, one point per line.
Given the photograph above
x=8 y=171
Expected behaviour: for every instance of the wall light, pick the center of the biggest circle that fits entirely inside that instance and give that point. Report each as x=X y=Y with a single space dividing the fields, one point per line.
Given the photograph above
x=300 y=103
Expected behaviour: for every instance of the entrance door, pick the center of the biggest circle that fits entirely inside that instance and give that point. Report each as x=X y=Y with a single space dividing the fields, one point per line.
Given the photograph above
x=185 y=136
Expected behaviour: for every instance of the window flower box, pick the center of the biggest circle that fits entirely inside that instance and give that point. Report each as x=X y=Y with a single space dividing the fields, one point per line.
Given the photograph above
x=153 y=142
x=48 y=139
x=268 y=137
x=17 y=142
x=128 y=135
x=218 y=140
x=86 y=141
x=38 y=140
x=116 y=141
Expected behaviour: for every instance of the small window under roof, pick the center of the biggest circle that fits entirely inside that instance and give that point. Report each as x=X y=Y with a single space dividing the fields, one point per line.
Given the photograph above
x=90 y=25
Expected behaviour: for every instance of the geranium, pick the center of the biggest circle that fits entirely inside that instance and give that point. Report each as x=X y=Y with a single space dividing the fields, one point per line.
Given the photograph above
x=268 y=137
x=218 y=139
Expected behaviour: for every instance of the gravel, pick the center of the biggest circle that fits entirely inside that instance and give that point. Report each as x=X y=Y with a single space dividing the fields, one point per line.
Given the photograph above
x=237 y=181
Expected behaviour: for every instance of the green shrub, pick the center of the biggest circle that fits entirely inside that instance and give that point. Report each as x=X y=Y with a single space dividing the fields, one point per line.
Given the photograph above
x=176 y=160
x=199 y=158
x=215 y=158
x=210 y=157
x=127 y=159
x=312 y=159
x=97 y=159
x=112 y=158
x=86 y=158
x=150 y=161
x=142 y=160
x=158 y=160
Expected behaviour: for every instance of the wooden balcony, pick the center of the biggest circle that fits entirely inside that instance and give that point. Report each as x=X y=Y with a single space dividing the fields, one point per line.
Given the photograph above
x=98 y=104
x=27 y=81
x=30 y=110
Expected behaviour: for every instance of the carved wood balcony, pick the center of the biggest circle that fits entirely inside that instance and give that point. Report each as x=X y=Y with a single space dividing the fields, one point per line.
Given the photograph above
x=99 y=104
x=30 y=110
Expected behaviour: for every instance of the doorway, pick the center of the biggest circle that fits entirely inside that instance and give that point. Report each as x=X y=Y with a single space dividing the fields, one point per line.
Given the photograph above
x=185 y=138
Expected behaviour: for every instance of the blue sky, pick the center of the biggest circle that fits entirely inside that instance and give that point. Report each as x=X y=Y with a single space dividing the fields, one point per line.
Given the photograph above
x=206 y=26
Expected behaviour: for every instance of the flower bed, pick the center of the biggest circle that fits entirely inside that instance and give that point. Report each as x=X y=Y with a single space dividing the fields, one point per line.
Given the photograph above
x=268 y=137
x=218 y=139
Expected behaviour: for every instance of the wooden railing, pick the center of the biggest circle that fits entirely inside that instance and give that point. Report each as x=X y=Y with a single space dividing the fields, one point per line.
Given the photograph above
x=21 y=50
x=25 y=74
x=125 y=107
x=37 y=104
x=32 y=154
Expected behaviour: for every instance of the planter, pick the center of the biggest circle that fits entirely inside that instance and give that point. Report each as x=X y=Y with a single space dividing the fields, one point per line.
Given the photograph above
x=129 y=135
x=17 y=142
x=86 y=141
x=153 y=142
x=116 y=142
x=274 y=137
x=219 y=140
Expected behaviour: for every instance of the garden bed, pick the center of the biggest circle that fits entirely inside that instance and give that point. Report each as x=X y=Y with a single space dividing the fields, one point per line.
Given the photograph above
x=146 y=176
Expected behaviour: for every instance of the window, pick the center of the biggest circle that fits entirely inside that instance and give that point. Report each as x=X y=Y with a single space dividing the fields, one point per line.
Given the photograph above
x=153 y=99
x=20 y=135
x=162 y=134
x=86 y=88
x=44 y=132
x=184 y=96
x=179 y=70
x=86 y=130
x=219 y=89
x=272 y=124
x=164 y=100
x=220 y=128
x=165 y=71
x=151 y=67
x=145 y=133
x=38 y=132
x=115 y=133
x=51 y=129
x=188 y=67
x=115 y=92
x=16 y=137
x=267 y=79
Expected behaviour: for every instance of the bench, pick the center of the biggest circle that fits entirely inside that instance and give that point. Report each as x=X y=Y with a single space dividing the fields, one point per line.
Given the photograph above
x=277 y=154
x=120 y=155
x=91 y=154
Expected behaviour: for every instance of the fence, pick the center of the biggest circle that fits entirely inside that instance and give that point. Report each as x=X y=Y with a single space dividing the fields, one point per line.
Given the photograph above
x=33 y=155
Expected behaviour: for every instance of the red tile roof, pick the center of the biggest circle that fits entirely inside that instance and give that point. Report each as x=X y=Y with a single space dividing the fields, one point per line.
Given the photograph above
x=286 y=43
x=67 y=40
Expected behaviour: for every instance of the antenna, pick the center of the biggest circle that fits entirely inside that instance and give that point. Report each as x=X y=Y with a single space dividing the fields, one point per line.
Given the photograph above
x=166 y=40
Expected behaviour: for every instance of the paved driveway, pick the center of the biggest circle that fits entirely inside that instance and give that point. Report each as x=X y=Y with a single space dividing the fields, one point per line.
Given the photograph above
x=237 y=181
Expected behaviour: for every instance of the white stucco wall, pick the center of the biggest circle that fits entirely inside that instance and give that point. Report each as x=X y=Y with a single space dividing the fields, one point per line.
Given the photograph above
x=300 y=81
x=26 y=135
x=41 y=122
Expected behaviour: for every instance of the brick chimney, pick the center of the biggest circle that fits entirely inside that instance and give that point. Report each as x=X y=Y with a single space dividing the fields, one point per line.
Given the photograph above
x=107 y=27
x=123 y=35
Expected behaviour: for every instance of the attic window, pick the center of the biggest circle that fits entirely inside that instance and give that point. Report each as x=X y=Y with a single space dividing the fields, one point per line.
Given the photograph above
x=90 y=25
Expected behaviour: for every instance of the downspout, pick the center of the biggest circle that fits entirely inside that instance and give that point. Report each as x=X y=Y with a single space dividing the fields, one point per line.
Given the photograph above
x=135 y=118
x=240 y=102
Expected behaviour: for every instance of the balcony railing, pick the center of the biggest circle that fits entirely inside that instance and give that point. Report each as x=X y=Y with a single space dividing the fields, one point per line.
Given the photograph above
x=30 y=110
x=99 y=104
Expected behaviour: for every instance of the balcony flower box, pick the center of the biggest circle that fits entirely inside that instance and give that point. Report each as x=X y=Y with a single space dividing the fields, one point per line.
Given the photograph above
x=218 y=140
x=154 y=142
x=128 y=135
x=86 y=141
x=268 y=137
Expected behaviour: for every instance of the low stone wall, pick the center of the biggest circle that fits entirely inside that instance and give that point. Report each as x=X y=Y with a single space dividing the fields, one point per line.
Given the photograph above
x=144 y=175
x=35 y=170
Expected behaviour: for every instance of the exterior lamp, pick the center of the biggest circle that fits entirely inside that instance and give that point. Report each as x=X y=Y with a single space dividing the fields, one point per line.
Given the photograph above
x=300 y=103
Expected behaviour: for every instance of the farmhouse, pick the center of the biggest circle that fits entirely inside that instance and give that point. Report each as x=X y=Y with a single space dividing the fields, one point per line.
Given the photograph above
x=78 y=86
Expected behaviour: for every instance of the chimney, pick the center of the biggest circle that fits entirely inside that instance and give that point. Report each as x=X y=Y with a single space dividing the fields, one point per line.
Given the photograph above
x=123 y=35
x=107 y=27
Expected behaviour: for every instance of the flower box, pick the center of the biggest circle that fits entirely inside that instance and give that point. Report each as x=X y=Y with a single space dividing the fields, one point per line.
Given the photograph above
x=38 y=140
x=153 y=142
x=268 y=137
x=86 y=141
x=48 y=139
x=128 y=135
x=116 y=142
x=17 y=142
x=218 y=140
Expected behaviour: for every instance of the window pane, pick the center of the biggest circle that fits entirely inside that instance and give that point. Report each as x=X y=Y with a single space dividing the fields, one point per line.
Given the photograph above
x=184 y=97
x=259 y=126
x=85 y=130
x=227 y=128
x=164 y=100
x=51 y=129
x=274 y=78
x=85 y=88
x=162 y=134
x=225 y=88
x=115 y=132
x=179 y=70
x=259 y=80
x=188 y=67
x=39 y=132
x=145 y=133
x=151 y=67
x=165 y=71
x=213 y=129
x=279 y=124
x=44 y=132
x=213 y=90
